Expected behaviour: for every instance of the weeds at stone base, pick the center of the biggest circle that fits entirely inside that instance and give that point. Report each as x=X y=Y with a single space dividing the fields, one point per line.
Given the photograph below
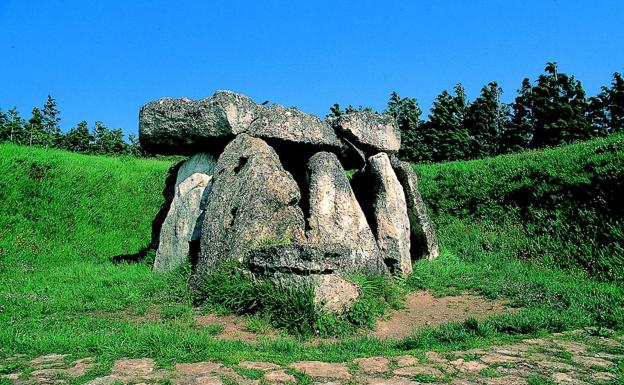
x=231 y=288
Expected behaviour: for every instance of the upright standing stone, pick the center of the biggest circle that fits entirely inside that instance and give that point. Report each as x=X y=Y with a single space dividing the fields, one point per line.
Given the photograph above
x=183 y=222
x=336 y=216
x=253 y=203
x=424 y=242
x=392 y=228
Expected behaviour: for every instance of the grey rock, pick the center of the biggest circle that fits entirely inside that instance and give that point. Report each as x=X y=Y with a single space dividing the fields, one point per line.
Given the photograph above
x=174 y=126
x=253 y=202
x=424 y=242
x=307 y=267
x=391 y=227
x=373 y=132
x=183 y=125
x=336 y=217
x=296 y=258
x=183 y=222
x=292 y=125
x=334 y=293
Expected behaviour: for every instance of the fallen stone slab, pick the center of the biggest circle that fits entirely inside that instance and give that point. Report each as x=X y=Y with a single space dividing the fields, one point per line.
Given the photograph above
x=296 y=258
x=306 y=267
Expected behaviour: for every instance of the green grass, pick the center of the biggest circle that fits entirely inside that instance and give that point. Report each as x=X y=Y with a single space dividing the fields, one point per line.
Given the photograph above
x=63 y=216
x=559 y=207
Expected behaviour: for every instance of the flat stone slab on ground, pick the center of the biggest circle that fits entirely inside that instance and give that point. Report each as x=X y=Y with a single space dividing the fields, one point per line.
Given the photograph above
x=373 y=364
x=279 y=376
x=198 y=368
x=318 y=369
x=402 y=361
x=133 y=367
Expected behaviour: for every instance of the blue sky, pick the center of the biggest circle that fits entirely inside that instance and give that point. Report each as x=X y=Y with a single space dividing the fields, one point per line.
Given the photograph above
x=102 y=60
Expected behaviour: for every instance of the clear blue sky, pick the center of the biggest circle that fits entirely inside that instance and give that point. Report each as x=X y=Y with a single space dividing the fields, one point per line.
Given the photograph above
x=102 y=60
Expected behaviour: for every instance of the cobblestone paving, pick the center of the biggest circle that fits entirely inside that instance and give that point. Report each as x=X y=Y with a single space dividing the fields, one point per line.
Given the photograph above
x=570 y=358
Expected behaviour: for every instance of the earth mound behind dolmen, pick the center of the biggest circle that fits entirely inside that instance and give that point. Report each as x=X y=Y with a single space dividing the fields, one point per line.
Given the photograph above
x=266 y=186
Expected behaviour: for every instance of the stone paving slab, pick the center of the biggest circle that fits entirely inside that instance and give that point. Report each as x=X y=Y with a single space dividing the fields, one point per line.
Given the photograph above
x=565 y=358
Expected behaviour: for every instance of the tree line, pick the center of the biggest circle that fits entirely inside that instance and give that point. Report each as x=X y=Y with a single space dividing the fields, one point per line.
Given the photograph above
x=550 y=111
x=42 y=129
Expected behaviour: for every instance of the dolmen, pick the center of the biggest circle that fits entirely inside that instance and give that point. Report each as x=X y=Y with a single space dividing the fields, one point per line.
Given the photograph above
x=285 y=195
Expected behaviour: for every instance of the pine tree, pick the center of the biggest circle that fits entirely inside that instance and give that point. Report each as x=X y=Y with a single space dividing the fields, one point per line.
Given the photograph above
x=406 y=112
x=78 y=139
x=449 y=138
x=134 y=148
x=519 y=132
x=4 y=127
x=560 y=109
x=35 y=128
x=101 y=138
x=117 y=144
x=615 y=103
x=52 y=136
x=485 y=121
x=598 y=115
x=15 y=127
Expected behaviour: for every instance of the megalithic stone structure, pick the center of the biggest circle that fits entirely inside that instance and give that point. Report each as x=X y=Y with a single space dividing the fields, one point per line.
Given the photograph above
x=266 y=187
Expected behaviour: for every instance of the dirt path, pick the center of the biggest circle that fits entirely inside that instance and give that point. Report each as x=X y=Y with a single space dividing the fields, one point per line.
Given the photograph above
x=568 y=358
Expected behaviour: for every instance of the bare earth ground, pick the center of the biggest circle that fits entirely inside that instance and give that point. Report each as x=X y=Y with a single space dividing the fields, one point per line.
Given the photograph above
x=576 y=357
x=423 y=309
x=234 y=327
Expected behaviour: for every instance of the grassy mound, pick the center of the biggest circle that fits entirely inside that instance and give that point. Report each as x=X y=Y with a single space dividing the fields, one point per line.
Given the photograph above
x=63 y=216
x=563 y=205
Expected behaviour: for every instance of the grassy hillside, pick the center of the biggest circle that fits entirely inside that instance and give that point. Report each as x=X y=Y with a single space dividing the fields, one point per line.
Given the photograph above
x=562 y=206
x=63 y=216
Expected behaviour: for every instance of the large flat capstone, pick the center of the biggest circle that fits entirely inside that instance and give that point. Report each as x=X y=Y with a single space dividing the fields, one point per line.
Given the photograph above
x=179 y=126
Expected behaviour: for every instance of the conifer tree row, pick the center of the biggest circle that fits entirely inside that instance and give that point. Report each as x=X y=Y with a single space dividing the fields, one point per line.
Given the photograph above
x=42 y=129
x=550 y=111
